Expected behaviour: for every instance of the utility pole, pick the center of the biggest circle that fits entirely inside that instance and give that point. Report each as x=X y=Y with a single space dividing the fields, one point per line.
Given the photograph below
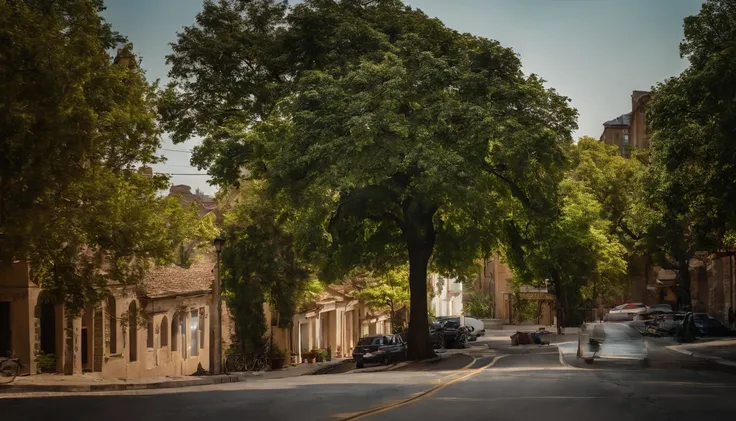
x=216 y=321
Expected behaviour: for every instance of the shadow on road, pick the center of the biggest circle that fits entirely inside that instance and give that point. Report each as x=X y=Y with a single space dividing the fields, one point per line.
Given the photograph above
x=449 y=363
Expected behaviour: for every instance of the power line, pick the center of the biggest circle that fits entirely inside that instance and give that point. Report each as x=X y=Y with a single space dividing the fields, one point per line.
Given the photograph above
x=177 y=150
x=172 y=165
x=171 y=173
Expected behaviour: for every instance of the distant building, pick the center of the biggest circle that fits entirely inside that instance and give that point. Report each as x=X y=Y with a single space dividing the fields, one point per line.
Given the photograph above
x=628 y=131
x=448 y=300
x=205 y=203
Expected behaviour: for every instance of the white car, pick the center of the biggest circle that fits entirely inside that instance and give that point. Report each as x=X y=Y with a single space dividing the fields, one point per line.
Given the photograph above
x=624 y=312
x=478 y=328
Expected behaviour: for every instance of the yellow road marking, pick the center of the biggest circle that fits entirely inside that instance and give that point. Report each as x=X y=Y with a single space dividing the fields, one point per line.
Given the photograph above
x=427 y=393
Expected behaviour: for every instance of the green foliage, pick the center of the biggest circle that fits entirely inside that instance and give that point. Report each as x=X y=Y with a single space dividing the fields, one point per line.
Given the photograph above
x=277 y=352
x=74 y=126
x=45 y=362
x=386 y=291
x=692 y=118
x=480 y=305
x=260 y=264
x=524 y=310
x=410 y=137
x=580 y=252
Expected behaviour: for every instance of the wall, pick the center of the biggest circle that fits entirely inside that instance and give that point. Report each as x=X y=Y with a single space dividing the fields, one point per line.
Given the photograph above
x=163 y=358
x=16 y=289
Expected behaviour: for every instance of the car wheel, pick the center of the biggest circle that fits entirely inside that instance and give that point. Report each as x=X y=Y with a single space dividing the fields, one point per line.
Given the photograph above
x=386 y=360
x=359 y=364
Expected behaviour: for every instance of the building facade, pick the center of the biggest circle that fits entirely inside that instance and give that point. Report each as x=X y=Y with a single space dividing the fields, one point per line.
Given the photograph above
x=448 y=296
x=158 y=328
x=629 y=131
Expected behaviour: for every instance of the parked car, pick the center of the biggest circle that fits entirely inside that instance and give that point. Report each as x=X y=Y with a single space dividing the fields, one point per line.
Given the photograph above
x=652 y=311
x=709 y=326
x=667 y=323
x=381 y=349
x=624 y=312
x=479 y=328
x=455 y=333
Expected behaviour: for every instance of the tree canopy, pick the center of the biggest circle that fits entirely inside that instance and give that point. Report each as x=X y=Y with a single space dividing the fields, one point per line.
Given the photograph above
x=692 y=118
x=397 y=138
x=580 y=253
x=74 y=125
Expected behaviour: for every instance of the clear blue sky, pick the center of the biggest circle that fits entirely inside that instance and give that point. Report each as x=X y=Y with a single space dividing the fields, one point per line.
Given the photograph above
x=594 y=51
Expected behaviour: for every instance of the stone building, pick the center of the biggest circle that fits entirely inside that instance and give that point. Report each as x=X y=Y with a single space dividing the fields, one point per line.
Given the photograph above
x=629 y=131
x=158 y=328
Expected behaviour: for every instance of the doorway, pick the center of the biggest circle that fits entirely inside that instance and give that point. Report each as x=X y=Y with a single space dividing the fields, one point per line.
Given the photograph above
x=5 y=335
x=48 y=327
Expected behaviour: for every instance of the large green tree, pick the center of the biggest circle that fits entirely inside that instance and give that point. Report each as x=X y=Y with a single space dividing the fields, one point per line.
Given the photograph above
x=692 y=118
x=74 y=125
x=396 y=137
x=261 y=264
x=579 y=250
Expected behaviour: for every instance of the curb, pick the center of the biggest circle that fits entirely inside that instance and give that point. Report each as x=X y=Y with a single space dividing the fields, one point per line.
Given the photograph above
x=712 y=363
x=204 y=381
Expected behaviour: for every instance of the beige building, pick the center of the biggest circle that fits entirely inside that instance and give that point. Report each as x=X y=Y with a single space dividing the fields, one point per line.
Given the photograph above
x=158 y=328
x=336 y=320
x=495 y=280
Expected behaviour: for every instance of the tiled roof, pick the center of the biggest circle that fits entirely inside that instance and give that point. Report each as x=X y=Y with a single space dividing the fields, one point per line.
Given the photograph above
x=163 y=281
x=622 y=120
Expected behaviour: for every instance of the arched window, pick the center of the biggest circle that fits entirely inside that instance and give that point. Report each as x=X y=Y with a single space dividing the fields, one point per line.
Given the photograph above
x=133 y=331
x=174 y=333
x=164 y=332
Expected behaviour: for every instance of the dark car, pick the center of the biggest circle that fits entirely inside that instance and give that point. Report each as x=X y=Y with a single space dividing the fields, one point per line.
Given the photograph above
x=667 y=323
x=708 y=326
x=454 y=333
x=381 y=349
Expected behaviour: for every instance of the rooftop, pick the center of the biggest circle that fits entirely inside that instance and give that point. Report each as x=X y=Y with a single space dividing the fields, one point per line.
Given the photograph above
x=171 y=280
x=622 y=120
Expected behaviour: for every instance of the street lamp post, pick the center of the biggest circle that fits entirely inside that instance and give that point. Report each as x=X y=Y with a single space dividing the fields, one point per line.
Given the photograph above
x=219 y=242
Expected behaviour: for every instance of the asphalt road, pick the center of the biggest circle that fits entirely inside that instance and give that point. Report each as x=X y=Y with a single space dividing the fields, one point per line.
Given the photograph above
x=515 y=387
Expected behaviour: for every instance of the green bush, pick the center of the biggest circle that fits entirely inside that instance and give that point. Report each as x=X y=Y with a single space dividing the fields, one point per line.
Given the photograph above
x=479 y=306
x=45 y=362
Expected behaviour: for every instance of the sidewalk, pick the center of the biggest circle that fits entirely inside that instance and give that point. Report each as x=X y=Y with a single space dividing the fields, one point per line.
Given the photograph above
x=92 y=382
x=719 y=351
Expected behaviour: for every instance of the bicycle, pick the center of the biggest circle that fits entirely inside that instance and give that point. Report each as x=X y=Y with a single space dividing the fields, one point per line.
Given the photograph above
x=234 y=363
x=9 y=369
x=260 y=360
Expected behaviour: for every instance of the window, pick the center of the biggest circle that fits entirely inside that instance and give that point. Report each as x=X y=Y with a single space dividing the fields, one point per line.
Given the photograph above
x=183 y=333
x=111 y=311
x=164 y=332
x=175 y=333
x=626 y=139
x=201 y=328
x=194 y=333
x=132 y=332
x=149 y=333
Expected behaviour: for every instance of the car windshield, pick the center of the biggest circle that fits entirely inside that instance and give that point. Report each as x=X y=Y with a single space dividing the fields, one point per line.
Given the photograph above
x=376 y=340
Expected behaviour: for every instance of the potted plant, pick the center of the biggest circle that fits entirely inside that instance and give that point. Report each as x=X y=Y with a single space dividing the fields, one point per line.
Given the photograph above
x=307 y=356
x=277 y=356
x=321 y=354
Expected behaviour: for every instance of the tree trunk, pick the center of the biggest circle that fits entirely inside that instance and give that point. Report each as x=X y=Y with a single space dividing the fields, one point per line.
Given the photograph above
x=420 y=344
x=419 y=233
x=684 y=297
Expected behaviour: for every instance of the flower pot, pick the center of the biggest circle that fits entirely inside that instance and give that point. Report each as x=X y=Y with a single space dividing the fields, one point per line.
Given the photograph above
x=277 y=363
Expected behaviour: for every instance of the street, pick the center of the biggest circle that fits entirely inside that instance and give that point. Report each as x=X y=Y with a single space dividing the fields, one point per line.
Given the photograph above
x=491 y=378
